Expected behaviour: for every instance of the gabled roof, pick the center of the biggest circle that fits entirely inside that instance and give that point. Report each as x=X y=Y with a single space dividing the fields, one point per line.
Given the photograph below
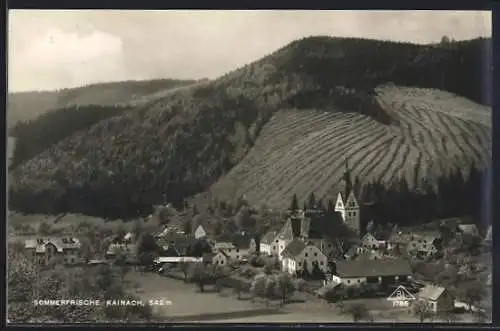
x=294 y=248
x=269 y=237
x=340 y=201
x=241 y=241
x=286 y=231
x=431 y=292
x=352 y=202
x=223 y=253
x=375 y=268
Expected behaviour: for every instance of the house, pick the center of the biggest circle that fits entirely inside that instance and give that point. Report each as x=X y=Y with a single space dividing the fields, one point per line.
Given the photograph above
x=182 y=242
x=375 y=240
x=200 y=232
x=468 y=229
x=268 y=243
x=425 y=245
x=440 y=300
x=386 y=272
x=398 y=242
x=242 y=246
x=298 y=256
x=353 y=252
x=350 y=211
x=129 y=238
x=221 y=258
x=45 y=250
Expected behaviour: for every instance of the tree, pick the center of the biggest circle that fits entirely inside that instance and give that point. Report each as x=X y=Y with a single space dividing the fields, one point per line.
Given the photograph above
x=311 y=202
x=270 y=289
x=138 y=228
x=422 y=310
x=187 y=227
x=237 y=288
x=44 y=229
x=295 y=204
x=359 y=312
x=285 y=287
x=258 y=287
x=184 y=266
x=147 y=243
x=473 y=294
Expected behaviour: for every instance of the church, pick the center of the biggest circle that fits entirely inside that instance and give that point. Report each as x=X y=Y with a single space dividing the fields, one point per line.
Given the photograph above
x=347 y=204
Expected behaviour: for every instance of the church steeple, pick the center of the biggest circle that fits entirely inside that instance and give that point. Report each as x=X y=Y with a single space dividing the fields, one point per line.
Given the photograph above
x=347 y=182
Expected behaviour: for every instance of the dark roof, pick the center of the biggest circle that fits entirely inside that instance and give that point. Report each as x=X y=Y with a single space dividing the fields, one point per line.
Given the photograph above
x=382 y=236
x=373 y=268
x=179 y=240
x=268 y=237
x=294 y=248
x=241 y=241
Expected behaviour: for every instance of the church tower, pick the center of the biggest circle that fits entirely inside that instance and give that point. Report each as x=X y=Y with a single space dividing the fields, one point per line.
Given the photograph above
x=347 y=204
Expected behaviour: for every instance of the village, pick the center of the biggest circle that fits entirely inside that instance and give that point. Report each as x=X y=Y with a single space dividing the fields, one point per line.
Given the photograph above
x=436 y=270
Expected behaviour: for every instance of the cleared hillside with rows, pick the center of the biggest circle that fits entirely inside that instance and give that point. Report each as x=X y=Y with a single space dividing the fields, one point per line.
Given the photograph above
x=302 y=151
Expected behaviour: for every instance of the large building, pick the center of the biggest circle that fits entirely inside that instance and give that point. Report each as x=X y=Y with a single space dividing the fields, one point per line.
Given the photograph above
x=385 y=272
x=299 y=256
x=46 y=250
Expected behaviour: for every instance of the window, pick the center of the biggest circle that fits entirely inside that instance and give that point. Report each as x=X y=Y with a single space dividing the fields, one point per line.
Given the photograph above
x=277 y=241
x=359 y=281
x=348 y=281
x=300 y=264
x=237 y=257
x=222 y=262
x=306 y=254
x=274 y=247
x=72 y=260
x=237 y=250
x=321 y=263
x=315 y=254
x=229 y=250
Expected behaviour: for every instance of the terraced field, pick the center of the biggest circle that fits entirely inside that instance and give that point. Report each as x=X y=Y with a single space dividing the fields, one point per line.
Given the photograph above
x=304 y=151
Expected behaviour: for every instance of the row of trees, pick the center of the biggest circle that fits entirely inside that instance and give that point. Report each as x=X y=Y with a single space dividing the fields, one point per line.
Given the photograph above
x=453 y=195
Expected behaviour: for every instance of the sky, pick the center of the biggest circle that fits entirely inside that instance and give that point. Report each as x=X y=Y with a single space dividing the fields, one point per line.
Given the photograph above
x=54 y=49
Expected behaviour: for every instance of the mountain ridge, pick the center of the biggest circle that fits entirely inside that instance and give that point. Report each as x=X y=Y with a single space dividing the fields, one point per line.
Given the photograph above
x=181 y=144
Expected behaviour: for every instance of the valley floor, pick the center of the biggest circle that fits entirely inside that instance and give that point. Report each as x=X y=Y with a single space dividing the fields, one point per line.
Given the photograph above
x=191 y=306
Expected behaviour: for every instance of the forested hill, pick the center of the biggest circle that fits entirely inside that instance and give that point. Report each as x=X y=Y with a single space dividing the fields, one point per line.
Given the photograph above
x=25 y=106
x=183 y=143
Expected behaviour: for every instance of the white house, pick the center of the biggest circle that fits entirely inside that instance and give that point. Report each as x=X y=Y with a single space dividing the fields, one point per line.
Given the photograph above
x=349 y=210
x=221 y=258
x=200 y=232
x=371 y=241
x=45 y=250
x=297 y=256
x=268 y=243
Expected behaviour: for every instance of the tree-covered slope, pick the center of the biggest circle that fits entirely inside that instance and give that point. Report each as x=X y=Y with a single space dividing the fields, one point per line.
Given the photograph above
x=180 y=144
x=25 y=106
